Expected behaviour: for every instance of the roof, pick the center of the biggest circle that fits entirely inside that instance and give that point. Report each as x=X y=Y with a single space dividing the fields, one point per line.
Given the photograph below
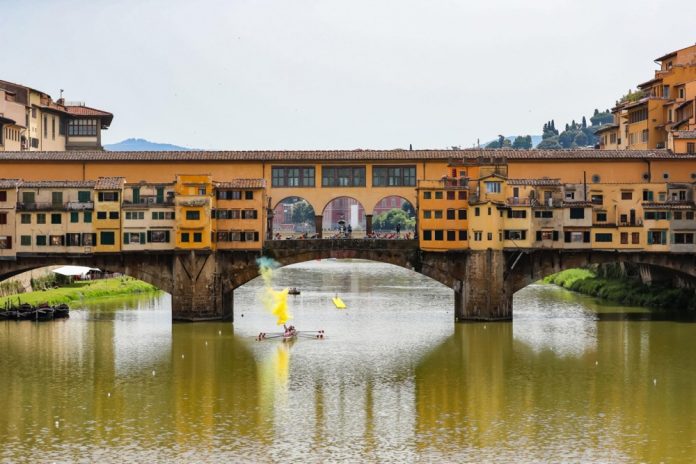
x=9 y=183
x=651 y=81
x=242 y=184
x=535 y=182
x=687 y=134
x=80 y=111
x=334 y=155
x=75 y=270
x=110 y=183
x=606 y=127
x=58 y=184
x=4 y=120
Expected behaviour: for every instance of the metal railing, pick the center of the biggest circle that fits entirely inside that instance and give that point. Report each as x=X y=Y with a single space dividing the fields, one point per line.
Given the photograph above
x=50 y=206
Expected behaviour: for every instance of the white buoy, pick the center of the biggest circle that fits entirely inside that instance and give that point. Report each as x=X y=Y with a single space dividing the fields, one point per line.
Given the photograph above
x=654 y=381
x=206 y=343
x=153 y=373
x=108 y=395
x=484 y=326
x=219 y=332
x=182 y=356
x=57 y=424
x=596 y=363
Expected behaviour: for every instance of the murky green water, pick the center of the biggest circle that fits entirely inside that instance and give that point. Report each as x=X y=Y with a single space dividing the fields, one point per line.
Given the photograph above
x=394 y=381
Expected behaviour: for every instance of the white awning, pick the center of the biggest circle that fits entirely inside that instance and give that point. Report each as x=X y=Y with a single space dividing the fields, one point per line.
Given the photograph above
x=75 y=270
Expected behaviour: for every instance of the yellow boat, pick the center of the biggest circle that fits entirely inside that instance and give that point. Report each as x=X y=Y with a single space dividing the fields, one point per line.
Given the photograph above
x=339 y=303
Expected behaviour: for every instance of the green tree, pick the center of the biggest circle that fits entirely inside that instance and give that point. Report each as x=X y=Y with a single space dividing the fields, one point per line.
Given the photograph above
x=584 y=122
x=550 y=143
x=580 y=139
x=408 y=207
x=522 y=142
x=389 y=219
x=302 y=212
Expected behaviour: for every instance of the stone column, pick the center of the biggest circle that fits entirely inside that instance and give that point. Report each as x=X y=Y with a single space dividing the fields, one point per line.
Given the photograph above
x=319 y=225
x=197 y=288
x=368 y=224
x=483 y=295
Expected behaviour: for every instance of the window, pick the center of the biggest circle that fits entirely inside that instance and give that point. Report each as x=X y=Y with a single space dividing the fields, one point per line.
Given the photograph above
x=292 y=177
x=343 y=176
x=56 y=240
x=136 y=195
x=624 y=238
x=577 y=237
x=108 y=196
x=636 y=116
x=648 y=195
x=623 y=219
x=89 y=239
x=691 y=148
x=249 y=195
x=158 y=236
x=597 y=199
x=657 y=215
x=515 y=234
x=438 y=195
x=477 y=211
x=570 y=195
x=427 y=214
x=74 y=217
x=87 y=217
x=462 y=235
x=25 y=240
x=426 y=195
x=53 y=128
x=134 y=238
x=250 y=236
x=73 y=239
x=56 y=218
x=450 y=195
x=461 y=214
x=461 y=195
x=451 y=215
x=517 y=213
x=657 y=237
x=677 y=215
x=83 y=196
x=202 y=191
x=683 y=238
x=644 y=135
x=197 y=237
x=438 y=214
x=478 y=236
x=193 y=215
x=547 y=235
x=57 y=198
x=79 y=127
x=427 y=235
x=596 y=178
x=489 y=212
x=661 y=196
x=135 y=215
x=543 y=214
x=107 y=238
x=439 y=235
x=3 y=195
x=45 y=126
x=184 y=237
x=451 y=235
x=3 y=218
x=490 y=236
x=492 y=187
x=41 y=218
x=113 y=214
x=249 y=214
x=689 y=215
x=5 y=242
x=577 y=213
x=601 y=217
x=25 y=218
x=41 y=240
x=393 y=176
x=603 y=238
x=681 y=92
x=229 y=195
x=626 y=195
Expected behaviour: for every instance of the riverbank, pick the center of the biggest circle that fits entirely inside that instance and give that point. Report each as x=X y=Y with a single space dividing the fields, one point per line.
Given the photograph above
x=626 y=291
x=81 y=291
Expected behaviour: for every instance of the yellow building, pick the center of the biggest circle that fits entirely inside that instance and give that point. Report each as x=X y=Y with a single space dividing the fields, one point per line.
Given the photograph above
x=54 y=216
x=194 y=202
x=487 y=211
x=240 y=214
x=148 y=216
x=443 y=212
x=107 y=211
x=30 y=120
x=8 y=202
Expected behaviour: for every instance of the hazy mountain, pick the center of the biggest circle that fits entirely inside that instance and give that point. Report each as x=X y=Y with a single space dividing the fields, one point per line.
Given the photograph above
x=143 y=145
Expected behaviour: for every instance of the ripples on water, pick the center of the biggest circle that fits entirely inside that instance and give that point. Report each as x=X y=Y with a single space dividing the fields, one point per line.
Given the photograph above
x=395 y=380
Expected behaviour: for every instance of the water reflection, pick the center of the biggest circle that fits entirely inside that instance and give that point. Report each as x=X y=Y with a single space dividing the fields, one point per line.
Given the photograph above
x=395 y=380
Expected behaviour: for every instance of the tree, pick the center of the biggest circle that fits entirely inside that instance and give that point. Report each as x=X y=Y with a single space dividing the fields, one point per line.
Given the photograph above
x=408 y=208
x=550 y=143
x=389 y=219
x=493 y=144
x=596 y=112
x=566 y=138
x=580 y=139
x=584 y=122
x=523 y=143
x=501 y=141
x=302 y=212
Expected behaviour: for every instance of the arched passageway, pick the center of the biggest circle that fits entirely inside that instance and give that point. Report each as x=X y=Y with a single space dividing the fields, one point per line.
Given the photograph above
x=342 y=217
x=293 y=217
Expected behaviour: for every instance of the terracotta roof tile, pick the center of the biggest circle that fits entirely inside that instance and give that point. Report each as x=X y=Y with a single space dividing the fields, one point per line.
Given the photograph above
x=338 y=155
x=536 y=182
x=9 y=183
x=242 y=184
x=58 y=184
x=684 y=134
x=110 y=183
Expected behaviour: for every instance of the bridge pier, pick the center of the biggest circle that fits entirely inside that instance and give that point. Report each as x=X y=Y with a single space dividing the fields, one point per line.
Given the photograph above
x=483 y=294
x=197 y=291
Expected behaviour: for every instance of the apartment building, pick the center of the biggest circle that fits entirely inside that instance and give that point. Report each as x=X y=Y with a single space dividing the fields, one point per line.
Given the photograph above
x=8 y=202
x=194 y=202
x=661 y=113
x=240 y=214
x=30 y=120
x=148 y=216
x=108 y=193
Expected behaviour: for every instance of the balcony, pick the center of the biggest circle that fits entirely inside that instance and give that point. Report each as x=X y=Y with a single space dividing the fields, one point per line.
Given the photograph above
x=49 y=206
x=516 y=201
x=148 y=202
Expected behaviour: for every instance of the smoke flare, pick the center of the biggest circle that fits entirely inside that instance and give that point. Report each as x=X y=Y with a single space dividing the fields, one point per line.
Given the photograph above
x=275 y=301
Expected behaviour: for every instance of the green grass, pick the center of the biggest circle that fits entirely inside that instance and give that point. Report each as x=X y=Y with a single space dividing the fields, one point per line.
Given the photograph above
x=80 y=291
x=626 y=291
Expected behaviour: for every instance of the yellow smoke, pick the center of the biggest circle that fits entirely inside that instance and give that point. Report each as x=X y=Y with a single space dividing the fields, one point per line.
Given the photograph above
x=275 y=302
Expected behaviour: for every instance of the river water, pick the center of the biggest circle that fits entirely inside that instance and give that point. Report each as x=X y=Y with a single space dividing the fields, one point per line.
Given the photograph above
x=395 y=380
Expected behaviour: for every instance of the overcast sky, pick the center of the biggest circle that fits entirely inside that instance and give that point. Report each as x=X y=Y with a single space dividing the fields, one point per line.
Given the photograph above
x=311 y=74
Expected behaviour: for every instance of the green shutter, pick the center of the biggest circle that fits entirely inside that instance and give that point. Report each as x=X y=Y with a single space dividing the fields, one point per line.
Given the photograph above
x=663 y=236
x=142 y=238
x=74 y=216
x=166 y=236
x=126 y=239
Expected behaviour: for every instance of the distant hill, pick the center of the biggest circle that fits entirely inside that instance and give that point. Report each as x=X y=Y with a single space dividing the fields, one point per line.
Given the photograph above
x=535 y=140
x=143 y=145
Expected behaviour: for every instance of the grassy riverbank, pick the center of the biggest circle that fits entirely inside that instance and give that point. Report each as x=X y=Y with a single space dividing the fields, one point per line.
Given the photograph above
x=627 y=291
x=81 y=291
